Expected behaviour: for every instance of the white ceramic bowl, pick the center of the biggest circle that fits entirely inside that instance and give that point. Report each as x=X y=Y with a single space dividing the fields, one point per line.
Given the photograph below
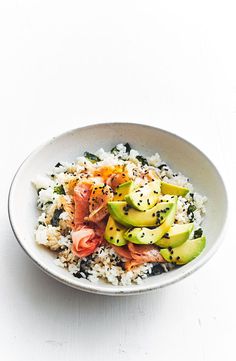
x=180 y=154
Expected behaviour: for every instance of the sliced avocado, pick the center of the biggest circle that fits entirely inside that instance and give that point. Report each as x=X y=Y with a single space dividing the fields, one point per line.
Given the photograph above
x=176 y=235
x=122 y=190
x=150 y=236
x=146 y=196
x=128 y=216
x=168 y=188
x=114 y=233
x=184 y=253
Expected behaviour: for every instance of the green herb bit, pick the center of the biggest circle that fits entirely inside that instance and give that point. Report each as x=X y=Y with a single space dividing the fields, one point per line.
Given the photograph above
x=114 y=150
x=55 y=218
x=142 y=160
x=128 y=147
x=39 y=190
x=191 y=209
x=198 y=233
x=92 y=157
x=59 y=189
x=162 y=166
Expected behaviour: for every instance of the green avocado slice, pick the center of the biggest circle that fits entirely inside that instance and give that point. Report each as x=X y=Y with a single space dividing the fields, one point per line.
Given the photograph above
x=146 y=196
x=184 y=253
x=150 y=236
x=122 y=190
x=114 y=233
x=128 y=216
x=168 y=188
x=176 y=235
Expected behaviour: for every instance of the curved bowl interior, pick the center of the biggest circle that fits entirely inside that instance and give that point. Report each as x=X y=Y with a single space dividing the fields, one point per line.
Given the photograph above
x=178 y=153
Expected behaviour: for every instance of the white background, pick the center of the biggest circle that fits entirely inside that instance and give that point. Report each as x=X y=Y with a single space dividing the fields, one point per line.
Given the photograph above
x=64 y=64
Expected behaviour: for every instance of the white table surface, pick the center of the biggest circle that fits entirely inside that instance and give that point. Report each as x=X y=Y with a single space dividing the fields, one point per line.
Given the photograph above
x=65 y=64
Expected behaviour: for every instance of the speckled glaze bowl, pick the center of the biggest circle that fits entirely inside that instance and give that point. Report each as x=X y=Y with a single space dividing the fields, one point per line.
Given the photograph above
x=177 y=152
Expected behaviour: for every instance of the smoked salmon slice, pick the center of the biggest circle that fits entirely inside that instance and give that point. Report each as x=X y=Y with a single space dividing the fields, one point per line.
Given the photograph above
x=99 y=197
x=116 y=179
x=123 y=251
x=87 y=237
x=138 y=254
x=82 y=193
x=145 y=253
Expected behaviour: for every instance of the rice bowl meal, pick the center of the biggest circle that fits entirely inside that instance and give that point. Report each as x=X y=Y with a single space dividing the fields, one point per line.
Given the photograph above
x=119 y=217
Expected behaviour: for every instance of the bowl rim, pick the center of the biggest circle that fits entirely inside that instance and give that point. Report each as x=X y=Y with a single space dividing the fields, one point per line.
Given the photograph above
x=130 y=289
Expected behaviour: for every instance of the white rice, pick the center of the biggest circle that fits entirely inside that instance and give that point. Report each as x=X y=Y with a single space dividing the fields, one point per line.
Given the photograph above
x=104 y=264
